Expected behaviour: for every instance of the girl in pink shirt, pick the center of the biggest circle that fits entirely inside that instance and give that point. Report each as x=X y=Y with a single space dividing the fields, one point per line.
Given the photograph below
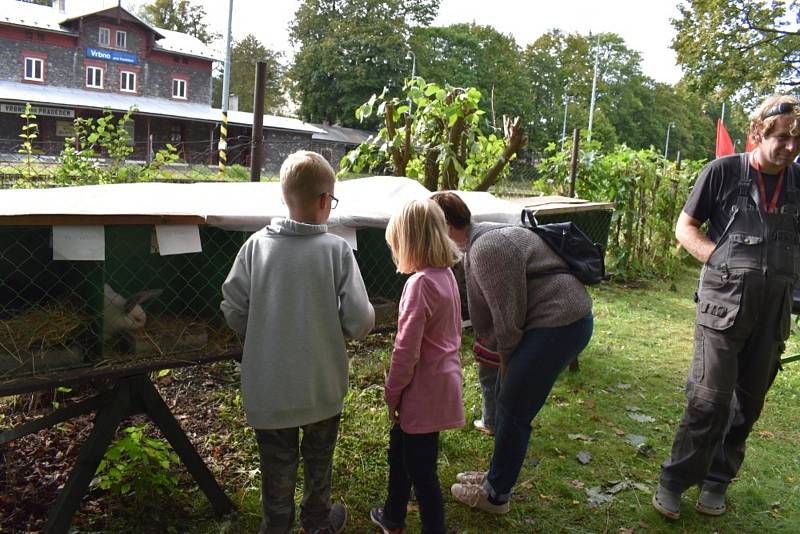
x=423 y=388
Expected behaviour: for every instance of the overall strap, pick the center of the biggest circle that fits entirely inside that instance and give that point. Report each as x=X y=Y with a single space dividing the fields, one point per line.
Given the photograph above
x=744 y=180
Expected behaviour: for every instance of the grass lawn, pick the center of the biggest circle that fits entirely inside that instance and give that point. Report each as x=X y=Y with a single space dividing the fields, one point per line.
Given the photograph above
x=629 y=387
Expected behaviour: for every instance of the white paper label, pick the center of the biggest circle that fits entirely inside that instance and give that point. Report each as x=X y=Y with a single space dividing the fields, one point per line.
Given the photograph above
x=80 y=243
x=178 y=239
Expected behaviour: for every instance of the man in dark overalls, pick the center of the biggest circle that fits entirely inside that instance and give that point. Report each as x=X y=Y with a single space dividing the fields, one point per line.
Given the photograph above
x=751 y=260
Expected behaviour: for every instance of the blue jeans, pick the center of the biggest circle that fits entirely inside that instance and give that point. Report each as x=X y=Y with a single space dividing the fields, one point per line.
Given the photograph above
x=487 y=376
x=530 y=374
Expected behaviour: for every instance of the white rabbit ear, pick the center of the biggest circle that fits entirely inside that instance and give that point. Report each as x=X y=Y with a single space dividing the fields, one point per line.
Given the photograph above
x=140 y=297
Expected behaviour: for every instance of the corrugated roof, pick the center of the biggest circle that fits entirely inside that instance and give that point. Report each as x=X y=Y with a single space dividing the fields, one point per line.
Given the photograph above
x=340 y=134
x=51 y=19
x=159 y=107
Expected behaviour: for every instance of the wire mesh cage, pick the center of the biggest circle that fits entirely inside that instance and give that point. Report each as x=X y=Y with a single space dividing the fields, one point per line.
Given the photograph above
x=135 y=305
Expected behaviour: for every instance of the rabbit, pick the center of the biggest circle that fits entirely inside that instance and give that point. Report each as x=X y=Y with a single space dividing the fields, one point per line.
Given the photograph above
x=122 y=316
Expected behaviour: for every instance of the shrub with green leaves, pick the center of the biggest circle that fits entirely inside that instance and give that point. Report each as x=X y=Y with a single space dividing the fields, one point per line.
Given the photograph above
x=137 y=465
x=99 y=153
x=648 y=193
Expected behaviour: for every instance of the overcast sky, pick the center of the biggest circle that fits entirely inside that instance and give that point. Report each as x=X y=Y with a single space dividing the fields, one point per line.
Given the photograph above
x=644 y=24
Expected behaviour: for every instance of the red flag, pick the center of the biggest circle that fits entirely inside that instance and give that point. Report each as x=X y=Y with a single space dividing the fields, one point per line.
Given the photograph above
x=724 y=143
x=749 y=145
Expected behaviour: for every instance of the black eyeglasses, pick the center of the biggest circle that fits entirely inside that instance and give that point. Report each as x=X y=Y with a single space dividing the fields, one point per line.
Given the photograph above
x=334 y=200
x=780 y=109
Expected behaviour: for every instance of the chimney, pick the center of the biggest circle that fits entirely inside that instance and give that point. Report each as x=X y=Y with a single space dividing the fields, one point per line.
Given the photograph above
x=233 y=102
x=326 y=123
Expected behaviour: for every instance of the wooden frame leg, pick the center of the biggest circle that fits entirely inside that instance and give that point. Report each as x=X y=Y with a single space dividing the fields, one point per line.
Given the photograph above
x=105 y=425
x=158 y=411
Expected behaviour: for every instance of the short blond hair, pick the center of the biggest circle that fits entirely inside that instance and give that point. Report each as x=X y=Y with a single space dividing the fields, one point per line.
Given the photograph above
x=305 y=175
x=417 y=235
x=763 y=119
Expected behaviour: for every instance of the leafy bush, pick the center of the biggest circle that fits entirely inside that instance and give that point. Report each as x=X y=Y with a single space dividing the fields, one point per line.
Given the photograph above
x=648 y=193
x=137 y=464
x=99 y=152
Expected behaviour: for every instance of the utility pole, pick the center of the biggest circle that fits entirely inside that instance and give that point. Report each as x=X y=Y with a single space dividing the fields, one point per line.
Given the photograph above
x=564 y=125
x=666 y=145
x=594 y=84
x=226 y=87
x=413 y=57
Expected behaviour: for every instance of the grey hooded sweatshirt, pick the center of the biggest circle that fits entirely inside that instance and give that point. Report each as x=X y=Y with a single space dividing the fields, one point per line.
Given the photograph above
x=295 y=292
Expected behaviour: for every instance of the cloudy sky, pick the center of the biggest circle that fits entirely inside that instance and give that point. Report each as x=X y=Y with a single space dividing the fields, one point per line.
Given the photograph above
x=644 y=24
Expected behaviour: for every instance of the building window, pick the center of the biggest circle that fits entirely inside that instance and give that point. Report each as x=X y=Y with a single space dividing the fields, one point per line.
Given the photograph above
x=94 y=77
x=122 y=40
x=104 y=37
x=34 y=69
x=127 y=81
x=178 y=88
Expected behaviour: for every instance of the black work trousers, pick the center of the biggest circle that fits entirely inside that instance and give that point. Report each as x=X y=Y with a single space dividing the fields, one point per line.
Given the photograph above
x=736 y=358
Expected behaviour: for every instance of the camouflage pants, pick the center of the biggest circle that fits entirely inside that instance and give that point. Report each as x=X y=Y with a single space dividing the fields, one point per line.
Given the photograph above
x=280 y=451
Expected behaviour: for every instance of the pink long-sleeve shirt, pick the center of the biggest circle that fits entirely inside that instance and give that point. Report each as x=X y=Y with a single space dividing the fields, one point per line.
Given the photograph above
x=424 y=382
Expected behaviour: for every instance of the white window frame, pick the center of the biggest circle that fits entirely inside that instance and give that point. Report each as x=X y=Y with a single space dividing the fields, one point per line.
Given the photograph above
x=101 y=70
x=33 y=61
x=124 y=35
x=103 y=31
x=180 y=84
x=132 y=78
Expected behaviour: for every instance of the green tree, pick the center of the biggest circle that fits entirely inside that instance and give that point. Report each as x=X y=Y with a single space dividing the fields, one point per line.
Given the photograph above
x=180 y=16
x=631 y=108
x=244 y=55
x=739 y=48
x=560 y=68
x=349 y=50
x=469 y=55
x=440 y=142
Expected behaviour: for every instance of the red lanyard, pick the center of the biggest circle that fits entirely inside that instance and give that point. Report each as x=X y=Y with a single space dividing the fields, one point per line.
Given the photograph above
x=772 y=207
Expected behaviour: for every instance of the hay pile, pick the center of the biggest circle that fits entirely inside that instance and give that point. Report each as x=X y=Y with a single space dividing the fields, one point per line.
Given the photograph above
x=36 y=333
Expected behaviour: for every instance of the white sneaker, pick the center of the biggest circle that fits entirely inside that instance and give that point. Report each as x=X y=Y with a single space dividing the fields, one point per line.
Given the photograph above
x=477 y=497
x=480 y=426
x=473 y=478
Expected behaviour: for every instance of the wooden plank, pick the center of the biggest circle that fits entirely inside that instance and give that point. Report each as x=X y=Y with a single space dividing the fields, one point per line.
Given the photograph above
x=82 y=375
x=86 y=219
x=58 y=416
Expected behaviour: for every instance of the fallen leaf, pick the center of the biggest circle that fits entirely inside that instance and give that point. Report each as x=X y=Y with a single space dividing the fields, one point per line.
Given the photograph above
x=635 y=439
x=624 y=386
x=582 y=437
x=619 y=486
x=632 y=408
x=596 y=497
x=640 y=417
x=646 y=450
x=577 y=484
x=584 y=457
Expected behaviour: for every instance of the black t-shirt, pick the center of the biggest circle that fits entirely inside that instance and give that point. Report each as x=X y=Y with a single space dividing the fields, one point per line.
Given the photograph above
x=716 y=190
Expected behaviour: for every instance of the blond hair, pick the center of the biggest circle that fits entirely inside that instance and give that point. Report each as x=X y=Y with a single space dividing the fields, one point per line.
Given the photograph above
x=305 y=176
x=417 y=235
x=763 y=119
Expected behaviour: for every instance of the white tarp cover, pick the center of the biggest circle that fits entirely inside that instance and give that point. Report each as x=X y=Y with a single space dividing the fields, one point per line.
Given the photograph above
x=363 y=202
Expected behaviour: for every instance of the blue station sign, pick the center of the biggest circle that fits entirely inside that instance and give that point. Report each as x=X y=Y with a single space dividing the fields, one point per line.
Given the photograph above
x=111 y=55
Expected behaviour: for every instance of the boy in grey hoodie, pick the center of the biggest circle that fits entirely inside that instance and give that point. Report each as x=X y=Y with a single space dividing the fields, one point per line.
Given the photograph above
x=294 y=293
